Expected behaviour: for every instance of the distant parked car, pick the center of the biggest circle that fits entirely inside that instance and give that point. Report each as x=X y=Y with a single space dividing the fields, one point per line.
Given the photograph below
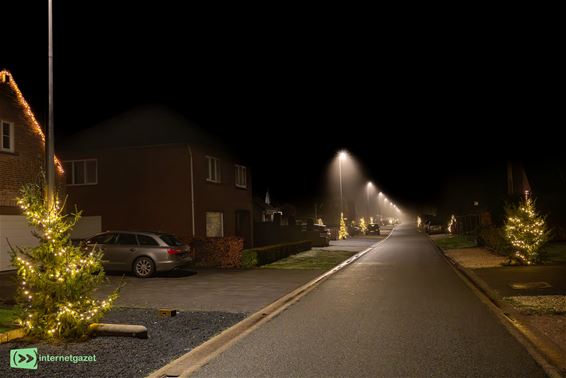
x=320 y=235
x=373 y=229
x=434 y=226
x=142 y=253
x=354 y=230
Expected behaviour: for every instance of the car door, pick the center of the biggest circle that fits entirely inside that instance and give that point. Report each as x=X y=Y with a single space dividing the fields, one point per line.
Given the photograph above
x=105 y=243
x=124 y=250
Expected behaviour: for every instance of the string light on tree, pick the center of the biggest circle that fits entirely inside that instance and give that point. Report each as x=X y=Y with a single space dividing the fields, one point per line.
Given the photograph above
x=342 y=232
x=526 y=231
x=363 y=226
x=56 y=278
x=452 y=224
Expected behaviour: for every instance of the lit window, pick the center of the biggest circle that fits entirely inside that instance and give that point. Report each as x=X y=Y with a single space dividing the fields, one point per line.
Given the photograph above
x=214 y=225
x=81 y=172
x=213 y=169
x=7 y=136
x=241 y=177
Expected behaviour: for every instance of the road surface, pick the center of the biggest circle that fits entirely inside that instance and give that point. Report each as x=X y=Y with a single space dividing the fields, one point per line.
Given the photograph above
x=400 y=310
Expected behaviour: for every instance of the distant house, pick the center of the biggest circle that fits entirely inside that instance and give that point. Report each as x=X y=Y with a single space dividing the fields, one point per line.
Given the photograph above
x=151 y=169
x=22 y=159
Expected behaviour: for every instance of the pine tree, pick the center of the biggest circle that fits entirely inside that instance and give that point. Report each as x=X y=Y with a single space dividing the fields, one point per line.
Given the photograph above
x=526 y=231
x=343 y=232
x=363 y=226
x=56 y=278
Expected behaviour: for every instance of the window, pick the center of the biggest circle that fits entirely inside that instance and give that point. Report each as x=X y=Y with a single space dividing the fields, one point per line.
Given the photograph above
x=108 y=238
x=213 y=169
x=241 y=176
x=214 y=225
x=81 y=172
x=127 y=239
x=171 y=240
x=7 y=136
x=146 y=240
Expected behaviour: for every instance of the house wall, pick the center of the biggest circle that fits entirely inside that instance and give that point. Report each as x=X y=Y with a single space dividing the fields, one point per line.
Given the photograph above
x=224 y=197
x=138 y=189
x=26 y=162
x=15 y=231
x=148 y=188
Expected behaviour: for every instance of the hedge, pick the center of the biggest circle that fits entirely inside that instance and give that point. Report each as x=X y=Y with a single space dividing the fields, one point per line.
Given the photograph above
x=492 y=238
x=223 y=252
x=270 y=253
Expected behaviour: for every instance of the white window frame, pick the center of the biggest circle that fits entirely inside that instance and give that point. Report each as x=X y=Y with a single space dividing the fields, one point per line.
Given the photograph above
x=217 y=177
x=241 y=176
x=11 y=131
x=221 y=224
x=72 y=172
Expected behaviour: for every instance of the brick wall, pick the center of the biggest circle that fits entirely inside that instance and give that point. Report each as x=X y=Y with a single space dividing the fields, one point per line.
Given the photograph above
x=26 y=162
x=148 y=188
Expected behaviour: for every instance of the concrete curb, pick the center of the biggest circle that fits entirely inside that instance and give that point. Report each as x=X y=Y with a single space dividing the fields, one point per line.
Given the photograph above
x=550 y=356
x=17 y=333
x=202 y=354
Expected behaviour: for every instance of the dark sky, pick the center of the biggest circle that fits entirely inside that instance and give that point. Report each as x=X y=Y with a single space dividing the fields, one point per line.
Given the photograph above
x=418 y=101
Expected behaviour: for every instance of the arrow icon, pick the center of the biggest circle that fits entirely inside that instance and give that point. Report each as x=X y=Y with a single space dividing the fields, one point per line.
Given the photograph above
x=24 y=358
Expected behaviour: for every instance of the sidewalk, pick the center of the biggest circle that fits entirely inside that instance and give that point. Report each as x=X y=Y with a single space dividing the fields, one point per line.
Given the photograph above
x=533 y=296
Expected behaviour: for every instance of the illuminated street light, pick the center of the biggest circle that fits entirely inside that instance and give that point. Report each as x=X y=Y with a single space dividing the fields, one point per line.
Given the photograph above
x=341 y=156
x=368 y=186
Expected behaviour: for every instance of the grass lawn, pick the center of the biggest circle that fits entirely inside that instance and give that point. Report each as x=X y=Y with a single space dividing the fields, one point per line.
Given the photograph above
x=456 y=241
x=556 y=252
x=313 y=259
x=7 y=317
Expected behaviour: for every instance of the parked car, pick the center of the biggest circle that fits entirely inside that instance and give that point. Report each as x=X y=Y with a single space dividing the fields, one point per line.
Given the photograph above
x=320 y=235
x=333 y=232
x=142 y=253
x=433 y=226
x=354 y=230
x=373 y=229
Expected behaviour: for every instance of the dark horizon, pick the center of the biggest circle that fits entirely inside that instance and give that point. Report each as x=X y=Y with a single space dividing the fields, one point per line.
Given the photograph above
x=416 y=115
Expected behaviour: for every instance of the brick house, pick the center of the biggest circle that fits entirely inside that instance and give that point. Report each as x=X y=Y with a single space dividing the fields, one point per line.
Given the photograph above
x=151 y=169
x=22 y=159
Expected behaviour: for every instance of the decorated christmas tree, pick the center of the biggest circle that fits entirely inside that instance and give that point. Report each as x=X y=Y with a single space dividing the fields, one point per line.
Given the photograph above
x=342 y=232
x=526 y=231
x=363 y=226
x=56 y=278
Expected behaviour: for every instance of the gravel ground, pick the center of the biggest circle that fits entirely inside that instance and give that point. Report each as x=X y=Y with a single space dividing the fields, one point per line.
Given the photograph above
x=125 y=356
x=539 y=304
x=476 y=258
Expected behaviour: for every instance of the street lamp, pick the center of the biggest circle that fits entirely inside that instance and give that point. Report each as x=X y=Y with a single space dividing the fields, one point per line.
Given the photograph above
x=50 y=163
x=341 y=156
x=368 y=186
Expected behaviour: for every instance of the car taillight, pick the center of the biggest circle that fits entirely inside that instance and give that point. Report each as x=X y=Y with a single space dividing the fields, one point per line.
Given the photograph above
x=174 y=251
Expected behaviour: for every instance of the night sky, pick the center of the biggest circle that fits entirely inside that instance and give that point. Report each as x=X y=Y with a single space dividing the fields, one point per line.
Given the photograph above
x=419 y=103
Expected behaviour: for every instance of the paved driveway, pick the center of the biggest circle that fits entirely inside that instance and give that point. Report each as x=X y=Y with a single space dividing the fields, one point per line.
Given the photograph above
x=210 y=289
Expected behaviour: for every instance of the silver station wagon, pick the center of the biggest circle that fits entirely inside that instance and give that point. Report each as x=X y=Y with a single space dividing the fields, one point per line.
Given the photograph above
x=142 y=253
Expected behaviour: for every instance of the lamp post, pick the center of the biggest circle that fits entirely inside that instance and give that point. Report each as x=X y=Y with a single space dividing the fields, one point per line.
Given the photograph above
x=368 y=186
x=50 y=163
x=341 y=156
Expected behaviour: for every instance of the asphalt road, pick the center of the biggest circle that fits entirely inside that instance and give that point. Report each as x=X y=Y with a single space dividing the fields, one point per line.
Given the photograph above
x=399 y=311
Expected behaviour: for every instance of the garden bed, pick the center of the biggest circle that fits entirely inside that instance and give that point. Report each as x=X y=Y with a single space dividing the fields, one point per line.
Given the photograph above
x=169 y=338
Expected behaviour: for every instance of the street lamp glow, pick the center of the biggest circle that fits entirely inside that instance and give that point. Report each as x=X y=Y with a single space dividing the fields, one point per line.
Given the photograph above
x=342 y=155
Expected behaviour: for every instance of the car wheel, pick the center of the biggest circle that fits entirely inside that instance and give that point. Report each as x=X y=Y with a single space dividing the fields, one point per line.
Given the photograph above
x=144 y=267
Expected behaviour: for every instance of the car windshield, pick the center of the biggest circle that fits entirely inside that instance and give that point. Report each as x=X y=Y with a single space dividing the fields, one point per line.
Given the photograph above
x=170 y=240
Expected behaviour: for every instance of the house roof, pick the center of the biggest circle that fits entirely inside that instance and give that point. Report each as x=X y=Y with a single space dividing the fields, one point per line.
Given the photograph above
x=7 y=81
x=148 y=125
